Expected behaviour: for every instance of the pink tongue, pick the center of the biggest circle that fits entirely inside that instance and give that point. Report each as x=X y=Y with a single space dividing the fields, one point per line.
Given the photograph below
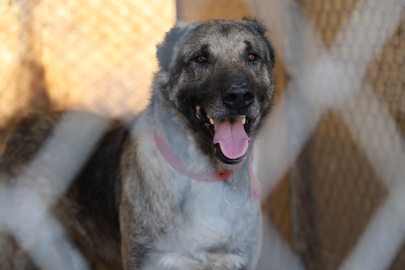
x=232 y=138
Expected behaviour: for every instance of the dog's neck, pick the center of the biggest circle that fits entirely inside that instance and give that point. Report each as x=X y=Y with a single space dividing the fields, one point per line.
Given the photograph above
x=184 y=154
x=211 y=176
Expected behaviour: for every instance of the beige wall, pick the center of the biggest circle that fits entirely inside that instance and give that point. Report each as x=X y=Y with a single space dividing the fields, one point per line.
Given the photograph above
x=85 y=54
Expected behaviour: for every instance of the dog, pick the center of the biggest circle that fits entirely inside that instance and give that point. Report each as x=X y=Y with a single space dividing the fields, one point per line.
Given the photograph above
x=174 y=189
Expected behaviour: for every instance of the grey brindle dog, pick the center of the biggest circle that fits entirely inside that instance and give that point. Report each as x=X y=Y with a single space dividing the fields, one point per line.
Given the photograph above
x=175 y=189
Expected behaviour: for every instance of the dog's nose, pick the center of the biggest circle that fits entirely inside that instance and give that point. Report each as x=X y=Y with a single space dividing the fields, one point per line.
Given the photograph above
x=238 y=98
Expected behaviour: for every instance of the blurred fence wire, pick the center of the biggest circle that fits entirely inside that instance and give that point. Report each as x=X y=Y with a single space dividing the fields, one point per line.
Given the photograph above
x=332 y=80
x=335 y=137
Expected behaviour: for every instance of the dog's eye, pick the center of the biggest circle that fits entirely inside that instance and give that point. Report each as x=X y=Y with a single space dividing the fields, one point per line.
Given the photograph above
x=252 y=57
x=201 y=58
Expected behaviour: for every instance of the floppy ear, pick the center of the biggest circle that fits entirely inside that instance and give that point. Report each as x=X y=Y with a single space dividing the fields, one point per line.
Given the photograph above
x=165 y=49
x=261 y=29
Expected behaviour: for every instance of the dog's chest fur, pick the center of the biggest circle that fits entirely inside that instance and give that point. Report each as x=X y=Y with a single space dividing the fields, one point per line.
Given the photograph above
x=189 y=224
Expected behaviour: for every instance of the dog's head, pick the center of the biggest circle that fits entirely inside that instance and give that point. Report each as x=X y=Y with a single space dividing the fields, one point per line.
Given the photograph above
x=218 y=75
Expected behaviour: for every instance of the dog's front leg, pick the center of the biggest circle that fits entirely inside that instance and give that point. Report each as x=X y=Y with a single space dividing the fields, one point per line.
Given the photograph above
x=136 y=244
x=200 y=261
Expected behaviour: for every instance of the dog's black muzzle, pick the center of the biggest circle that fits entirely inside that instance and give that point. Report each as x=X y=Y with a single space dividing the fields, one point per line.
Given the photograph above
x=238 y=98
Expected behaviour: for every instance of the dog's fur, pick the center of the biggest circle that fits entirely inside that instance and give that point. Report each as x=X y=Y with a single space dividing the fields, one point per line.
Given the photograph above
x=128 y=208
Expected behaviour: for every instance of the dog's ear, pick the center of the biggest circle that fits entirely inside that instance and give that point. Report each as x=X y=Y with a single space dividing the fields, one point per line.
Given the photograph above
x=165 y=49
x=262 y=29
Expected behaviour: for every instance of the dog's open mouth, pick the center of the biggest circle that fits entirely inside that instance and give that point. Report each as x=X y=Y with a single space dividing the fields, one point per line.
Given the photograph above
x=229 y=135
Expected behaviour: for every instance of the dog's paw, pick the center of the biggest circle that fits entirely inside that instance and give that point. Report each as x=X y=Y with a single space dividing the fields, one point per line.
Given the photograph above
x=204 y=261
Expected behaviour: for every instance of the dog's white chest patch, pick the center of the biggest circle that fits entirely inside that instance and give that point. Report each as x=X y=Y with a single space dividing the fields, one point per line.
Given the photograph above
x=203 y=261
x=211 y=235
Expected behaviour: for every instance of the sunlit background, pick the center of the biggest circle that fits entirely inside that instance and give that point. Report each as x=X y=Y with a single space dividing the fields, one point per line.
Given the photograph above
x=332 y=165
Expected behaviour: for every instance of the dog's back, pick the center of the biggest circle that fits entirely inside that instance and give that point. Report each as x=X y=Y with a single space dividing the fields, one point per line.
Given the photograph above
x=87 y=205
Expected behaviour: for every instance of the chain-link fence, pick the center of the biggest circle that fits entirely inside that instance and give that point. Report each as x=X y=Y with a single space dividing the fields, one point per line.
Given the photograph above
x=93 y=55
x=332 y=166
x=353 y=158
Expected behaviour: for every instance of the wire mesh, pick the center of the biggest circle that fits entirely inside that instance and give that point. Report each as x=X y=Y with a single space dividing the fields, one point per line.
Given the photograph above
x=79 y=54
x=336 y=189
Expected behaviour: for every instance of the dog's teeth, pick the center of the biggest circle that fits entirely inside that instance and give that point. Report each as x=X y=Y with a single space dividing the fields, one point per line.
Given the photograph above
x=243 y=120
x=211 y=120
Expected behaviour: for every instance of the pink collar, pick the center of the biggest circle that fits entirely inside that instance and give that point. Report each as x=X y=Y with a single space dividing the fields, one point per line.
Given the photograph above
x=212 y=176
